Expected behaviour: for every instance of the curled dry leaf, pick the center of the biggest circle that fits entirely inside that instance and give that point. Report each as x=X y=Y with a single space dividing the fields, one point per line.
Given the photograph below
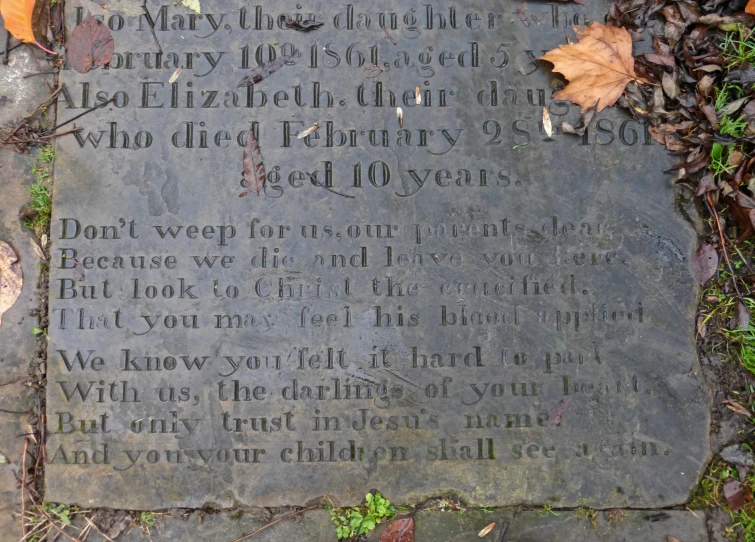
x=400 y=116
x=304 y=26
x=584 y=121
x=175 y=76
x=254 y=168
x=736 y=407
x=547 y=126
x=401 y=530
x=308 y=131
x=484 y=532
x=11 y=278
x=90 y=44
x=599 y=66
x=260 y=72
x=704 y=263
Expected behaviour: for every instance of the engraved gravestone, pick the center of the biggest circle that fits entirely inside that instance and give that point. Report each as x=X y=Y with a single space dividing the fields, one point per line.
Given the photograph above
x=458 y=302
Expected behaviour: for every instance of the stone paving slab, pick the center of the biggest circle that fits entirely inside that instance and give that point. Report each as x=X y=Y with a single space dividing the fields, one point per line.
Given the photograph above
x=637 y=526
x=18 y=97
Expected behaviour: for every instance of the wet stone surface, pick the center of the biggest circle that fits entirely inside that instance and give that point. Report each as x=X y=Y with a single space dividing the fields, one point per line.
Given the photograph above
x=459 y=303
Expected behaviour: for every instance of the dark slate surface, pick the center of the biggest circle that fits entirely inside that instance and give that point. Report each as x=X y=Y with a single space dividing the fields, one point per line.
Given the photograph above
x=570 y=253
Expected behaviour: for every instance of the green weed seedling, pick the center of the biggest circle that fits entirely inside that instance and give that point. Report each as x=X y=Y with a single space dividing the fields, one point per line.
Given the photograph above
x=358 y=521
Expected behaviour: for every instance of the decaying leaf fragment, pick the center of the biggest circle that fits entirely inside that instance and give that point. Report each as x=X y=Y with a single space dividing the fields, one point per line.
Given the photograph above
x=484 y=532
x=308 y=131
x=704 y=263
x=418 y=95
x=254 y=169
x=401 y=530
x=599 y=66
x=547 y=125
x=90 y=44
x=11 y=278
x=262 y=71
x=400 y=116
x=192 y=5
x=176 y=75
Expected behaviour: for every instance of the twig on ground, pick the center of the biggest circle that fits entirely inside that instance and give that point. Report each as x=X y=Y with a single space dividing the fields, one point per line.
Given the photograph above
x=389 y=36
x=23 y=488
x=14 y=380
x=29 y=117
x=52 y=521
x=713 y=211
x=289 y=515
x=47 y=72
x=100 y=106
x=504 y=528
x=7 y=46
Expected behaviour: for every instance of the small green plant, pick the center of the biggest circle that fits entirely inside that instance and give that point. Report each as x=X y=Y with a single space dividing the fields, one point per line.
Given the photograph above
x=148 y=521
x=548 y=509
x=719 y=159
x=358 y=521
x=738 y=47
x=734 y=128
x=37 y=214
x=60 y=512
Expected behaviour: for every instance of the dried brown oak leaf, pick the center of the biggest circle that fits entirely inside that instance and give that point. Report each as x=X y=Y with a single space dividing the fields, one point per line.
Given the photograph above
x=599 y=66
x=254 y=168
x=90 y=44
x=11 y=278
x=18 y=16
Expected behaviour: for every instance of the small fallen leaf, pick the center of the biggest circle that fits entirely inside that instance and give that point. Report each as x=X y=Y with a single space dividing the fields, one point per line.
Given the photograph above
x=736 y=495
x=670 y=538
x=78 y=270
x=260 y=72
x=704 y=263
x=243 y=194
x=750 y=7
x=400 y=116
x=706 y=184
x=3 y=459
x=37 y=249
x=598 y=67
x=584 y=121
x=90 y=44
x=559 y=410
x=192 y=5
x=483 y=533
x=401 y=530
x=18 y=19
x=741 y=320
x=417 y=95
x=175 y=75
x=736 y=407
x=547 y=126
x=11 y=278
x=305 y=133
x=254 y=168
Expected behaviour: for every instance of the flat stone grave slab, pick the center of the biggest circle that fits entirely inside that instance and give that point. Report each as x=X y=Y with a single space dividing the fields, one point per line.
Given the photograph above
x=452 y=302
